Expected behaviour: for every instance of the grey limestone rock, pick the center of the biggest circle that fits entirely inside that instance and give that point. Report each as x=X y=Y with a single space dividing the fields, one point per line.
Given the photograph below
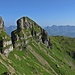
x=26 y=29
x=5 y=41
x=1 y=24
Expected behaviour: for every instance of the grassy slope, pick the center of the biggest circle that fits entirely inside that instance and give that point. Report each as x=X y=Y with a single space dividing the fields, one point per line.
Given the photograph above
x=40 y=60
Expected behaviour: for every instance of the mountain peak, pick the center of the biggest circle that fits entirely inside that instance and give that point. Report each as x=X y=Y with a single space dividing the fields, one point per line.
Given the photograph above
x=28 y=29
x=24 y=22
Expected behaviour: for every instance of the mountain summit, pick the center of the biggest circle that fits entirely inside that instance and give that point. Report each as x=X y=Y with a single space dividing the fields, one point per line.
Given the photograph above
x=27 y=30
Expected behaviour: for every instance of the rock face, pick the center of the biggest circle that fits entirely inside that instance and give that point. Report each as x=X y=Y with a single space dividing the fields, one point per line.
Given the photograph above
x=5 y=41
x=28 y=30
x=1 y=24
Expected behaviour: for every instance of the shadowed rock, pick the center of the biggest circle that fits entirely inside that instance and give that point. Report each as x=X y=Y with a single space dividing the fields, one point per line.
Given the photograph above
x=5 y=73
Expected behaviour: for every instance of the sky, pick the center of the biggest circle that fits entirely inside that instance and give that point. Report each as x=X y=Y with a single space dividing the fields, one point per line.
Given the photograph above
x=44 y=12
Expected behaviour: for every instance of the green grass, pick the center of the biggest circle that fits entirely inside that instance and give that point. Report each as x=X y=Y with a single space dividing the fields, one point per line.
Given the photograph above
x=3 y=34
x=58 y=59
x=2 y=68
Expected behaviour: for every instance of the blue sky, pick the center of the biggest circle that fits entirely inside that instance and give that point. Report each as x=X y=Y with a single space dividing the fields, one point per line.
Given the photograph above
x=44 y=12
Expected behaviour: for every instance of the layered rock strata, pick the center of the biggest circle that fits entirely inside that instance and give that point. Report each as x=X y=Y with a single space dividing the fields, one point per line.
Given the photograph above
x=5 y=41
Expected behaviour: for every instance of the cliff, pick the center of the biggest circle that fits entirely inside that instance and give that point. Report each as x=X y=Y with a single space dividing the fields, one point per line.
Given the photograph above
x=28 y=30
x=5 y=41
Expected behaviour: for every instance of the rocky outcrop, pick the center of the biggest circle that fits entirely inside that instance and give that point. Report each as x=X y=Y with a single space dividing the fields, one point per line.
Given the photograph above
x=24 y=23
x=45 y=38
x=27 y=30
x=1 y=24
x=5 y=41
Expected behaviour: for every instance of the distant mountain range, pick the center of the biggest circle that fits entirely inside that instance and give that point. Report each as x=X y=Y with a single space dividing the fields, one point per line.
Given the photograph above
x=61 y=30
x=10 y=29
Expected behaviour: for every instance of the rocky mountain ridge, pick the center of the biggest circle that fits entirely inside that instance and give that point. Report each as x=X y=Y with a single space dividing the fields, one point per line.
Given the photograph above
x=26 y=30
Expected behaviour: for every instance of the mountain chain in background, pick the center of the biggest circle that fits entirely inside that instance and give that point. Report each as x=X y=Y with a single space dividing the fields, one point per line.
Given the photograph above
x=66 y=30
